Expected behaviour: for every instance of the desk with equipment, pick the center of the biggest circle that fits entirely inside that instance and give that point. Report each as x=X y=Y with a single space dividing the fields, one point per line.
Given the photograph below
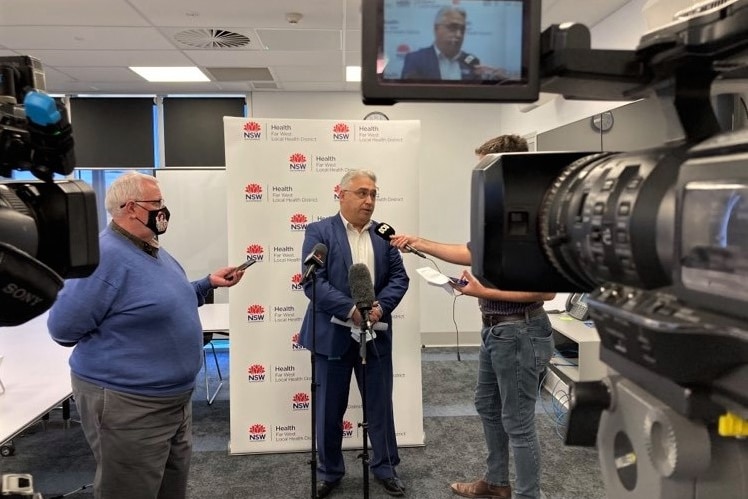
x=577 y=356
x=575 y=332
x=36 y=377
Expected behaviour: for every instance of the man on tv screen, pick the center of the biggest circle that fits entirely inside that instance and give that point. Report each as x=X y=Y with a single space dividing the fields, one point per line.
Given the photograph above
x=445 y=59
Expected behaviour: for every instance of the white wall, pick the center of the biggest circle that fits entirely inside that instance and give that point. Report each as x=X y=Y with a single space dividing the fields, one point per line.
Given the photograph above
x=619 y=31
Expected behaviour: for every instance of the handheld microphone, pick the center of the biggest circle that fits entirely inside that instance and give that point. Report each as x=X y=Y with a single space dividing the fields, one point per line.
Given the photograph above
x=314 y=261
x=384 y=231
x=362 y=291
x=469 y=60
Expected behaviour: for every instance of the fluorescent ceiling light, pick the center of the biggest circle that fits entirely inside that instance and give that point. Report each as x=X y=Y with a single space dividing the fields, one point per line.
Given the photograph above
x=353 y=73
x=171 y=74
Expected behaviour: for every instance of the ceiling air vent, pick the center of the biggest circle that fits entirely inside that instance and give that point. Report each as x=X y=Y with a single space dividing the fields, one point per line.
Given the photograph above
x=211 y=38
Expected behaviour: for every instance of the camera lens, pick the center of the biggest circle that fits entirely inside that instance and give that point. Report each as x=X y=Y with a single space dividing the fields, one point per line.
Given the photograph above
x=610 y=218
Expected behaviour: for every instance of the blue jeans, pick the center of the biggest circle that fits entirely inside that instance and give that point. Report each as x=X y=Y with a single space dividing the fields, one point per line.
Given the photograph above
x=512 y=357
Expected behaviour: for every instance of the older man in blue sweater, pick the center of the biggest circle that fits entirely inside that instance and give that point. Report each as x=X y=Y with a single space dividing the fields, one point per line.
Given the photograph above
x=138 y=347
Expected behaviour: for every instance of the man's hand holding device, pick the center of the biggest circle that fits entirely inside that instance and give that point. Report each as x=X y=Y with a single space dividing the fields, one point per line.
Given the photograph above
x=229 y=276
x=457 y=282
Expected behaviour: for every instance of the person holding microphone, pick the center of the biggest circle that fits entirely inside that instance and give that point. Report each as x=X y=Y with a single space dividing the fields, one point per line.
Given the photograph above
x=516 y=346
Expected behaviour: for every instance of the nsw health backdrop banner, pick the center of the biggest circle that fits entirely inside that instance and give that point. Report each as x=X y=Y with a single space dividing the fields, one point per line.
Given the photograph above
x=281 y=176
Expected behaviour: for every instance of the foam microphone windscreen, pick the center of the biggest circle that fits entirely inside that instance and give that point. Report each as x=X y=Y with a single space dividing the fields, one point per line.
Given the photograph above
x=362 y=288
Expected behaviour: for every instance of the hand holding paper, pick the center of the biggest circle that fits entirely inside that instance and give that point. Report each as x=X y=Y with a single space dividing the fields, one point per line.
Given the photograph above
x=436 y=278
x=356 y=331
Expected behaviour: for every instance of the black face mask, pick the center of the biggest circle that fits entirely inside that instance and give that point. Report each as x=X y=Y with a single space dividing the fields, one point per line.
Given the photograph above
x=158 y=220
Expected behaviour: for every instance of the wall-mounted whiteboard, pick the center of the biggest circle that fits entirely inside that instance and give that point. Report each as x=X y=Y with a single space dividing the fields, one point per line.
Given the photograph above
x=197 y=229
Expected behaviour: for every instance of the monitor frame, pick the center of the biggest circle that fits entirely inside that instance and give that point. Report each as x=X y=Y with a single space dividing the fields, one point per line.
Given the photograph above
x=378 y=91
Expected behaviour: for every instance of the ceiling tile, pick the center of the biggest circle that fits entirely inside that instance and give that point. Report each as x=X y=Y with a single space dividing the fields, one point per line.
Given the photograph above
x=82 y=38
x=302 y=40
x=309 y=73
x=240 y=74
x=71 y=13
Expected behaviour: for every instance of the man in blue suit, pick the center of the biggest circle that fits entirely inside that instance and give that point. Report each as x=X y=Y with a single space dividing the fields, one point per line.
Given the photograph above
x=444 y=60
x=349 y=237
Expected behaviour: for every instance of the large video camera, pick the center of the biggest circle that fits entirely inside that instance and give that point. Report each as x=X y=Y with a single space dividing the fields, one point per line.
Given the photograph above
x=48 y=228
x=658 y=237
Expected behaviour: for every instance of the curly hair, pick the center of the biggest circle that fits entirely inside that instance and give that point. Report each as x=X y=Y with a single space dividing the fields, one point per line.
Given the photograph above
x=502 y=143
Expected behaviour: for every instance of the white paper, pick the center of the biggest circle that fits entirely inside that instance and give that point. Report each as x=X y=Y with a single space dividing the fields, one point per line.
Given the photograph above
x=356 y=331
x=436 y=278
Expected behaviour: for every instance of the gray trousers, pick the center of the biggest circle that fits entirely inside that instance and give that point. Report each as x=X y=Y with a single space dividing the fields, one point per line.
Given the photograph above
x=142 y=445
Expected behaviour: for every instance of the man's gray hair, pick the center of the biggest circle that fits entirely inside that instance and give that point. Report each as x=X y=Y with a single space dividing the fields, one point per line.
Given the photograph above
x=345 y=182
x=446 y=9
x=126 y=187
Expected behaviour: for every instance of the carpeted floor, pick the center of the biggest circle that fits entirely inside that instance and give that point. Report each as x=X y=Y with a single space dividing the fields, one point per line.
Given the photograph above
x=60 y=461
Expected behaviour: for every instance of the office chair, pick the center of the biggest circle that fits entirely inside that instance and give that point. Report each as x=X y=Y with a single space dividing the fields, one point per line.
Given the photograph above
x=208 y=341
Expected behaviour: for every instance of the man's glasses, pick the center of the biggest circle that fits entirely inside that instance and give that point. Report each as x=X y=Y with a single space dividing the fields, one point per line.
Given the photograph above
x=454 y=27
x=160 y=203
x=364 y=193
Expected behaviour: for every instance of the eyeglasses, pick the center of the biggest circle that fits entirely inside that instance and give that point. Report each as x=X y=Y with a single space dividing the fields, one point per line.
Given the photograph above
x=160 y=202
x=364 y=193
x=454 y=27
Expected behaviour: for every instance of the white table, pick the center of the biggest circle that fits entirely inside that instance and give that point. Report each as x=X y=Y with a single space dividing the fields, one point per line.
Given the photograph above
x=214 y=318
x=35 y=373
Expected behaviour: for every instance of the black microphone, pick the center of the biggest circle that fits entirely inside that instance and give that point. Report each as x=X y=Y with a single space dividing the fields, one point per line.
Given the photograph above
x=469 y=60
x=384 y=231
x=314 y=261
x=362 y=291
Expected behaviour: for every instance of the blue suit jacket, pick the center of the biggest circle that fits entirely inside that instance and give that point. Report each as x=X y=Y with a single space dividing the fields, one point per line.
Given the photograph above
x=424 y=65
x=333 y=293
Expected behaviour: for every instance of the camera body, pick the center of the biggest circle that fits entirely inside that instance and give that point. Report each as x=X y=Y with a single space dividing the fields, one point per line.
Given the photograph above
x=659 y=240
x=48 y=228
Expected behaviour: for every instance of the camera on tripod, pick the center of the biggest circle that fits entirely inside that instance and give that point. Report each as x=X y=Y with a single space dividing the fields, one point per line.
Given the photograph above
x=48 y=228
x=659 y=238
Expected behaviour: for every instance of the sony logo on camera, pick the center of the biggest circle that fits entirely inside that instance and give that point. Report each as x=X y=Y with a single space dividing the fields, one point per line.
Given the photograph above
x=23 y=295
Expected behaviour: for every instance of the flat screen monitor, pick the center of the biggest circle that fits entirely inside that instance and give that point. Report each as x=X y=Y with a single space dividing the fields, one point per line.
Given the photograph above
x=444 y=50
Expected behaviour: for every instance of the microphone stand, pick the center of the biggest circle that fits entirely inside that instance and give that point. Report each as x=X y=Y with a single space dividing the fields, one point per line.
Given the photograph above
x=365 y=327
x=313 y=451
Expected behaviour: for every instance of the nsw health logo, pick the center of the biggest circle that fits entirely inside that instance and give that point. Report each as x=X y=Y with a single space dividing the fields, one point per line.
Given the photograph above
x=257 y=433
x=255 y=252
x=256 y=373
x=296 y=282
x=255 y=313
x=298 y=222
x=300 y=402
x=341 y=132
x=295 y=346
x=252 y=131
x=253 y=192
x=297 y=162
x=347 y=429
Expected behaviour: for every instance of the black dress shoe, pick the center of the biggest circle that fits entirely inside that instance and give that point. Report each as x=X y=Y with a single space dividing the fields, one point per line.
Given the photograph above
x=392 y=485
x=324 y=488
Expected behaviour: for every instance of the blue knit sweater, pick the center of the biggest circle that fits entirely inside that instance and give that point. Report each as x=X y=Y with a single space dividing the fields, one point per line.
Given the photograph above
x=134 y=321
